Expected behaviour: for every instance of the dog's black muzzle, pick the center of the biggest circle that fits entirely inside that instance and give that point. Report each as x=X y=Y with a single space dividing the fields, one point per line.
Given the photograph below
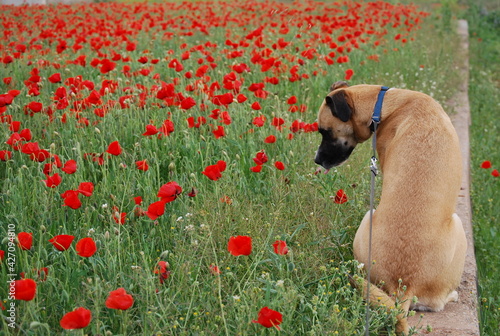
x=332 y=153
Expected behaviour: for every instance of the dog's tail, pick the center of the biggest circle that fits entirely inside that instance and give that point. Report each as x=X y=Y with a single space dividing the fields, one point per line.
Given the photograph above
x=380 y=298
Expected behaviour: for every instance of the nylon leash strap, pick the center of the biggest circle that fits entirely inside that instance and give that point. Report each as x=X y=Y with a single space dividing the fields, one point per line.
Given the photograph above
x=377 y=111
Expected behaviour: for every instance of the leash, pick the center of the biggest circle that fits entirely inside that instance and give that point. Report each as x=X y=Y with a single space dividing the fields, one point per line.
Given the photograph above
x=376 y=117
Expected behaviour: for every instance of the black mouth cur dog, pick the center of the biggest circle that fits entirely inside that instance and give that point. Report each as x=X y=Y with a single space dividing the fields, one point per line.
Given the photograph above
x=417 y=237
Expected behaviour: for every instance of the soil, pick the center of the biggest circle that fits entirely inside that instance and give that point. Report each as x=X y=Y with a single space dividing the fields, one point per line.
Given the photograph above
x=459 y=318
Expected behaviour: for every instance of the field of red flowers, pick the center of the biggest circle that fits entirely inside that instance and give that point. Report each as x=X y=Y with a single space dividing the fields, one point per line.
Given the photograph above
x=156 y=165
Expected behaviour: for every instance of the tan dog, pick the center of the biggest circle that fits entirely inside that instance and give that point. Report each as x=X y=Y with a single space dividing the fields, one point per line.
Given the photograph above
x=418 y=241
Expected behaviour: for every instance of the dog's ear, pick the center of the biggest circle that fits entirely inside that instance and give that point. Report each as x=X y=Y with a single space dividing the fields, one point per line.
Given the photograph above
x=338 y=105
x=338 y=85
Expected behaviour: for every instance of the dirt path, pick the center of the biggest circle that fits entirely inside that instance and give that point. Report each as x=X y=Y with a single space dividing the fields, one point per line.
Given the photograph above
x=459 y=318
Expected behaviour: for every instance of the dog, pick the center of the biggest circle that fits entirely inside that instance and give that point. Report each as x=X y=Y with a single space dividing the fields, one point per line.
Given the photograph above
x=418 y=242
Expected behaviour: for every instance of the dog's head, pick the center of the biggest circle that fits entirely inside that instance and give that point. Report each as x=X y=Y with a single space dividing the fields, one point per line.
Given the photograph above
x=336 y=127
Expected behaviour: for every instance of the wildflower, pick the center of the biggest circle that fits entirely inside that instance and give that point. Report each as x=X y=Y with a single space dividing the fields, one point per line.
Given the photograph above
x=119 y=299
x=269 y=318
x=69 y=167
x=62 y=242
x=486 y=165
x=280 y=247
x=340 y=197
x=24 y=289
x=86 y=247
x=240 y=245
x=279 y=165
x=77 y=319
x=25 y=240
x=213 y=172
x=114 y=148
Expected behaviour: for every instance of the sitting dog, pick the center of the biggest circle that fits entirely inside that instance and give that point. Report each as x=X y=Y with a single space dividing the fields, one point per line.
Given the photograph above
x=417 y=239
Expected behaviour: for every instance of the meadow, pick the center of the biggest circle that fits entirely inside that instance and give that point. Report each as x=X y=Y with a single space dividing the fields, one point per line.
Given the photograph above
x=156 y=162
x=484 y=96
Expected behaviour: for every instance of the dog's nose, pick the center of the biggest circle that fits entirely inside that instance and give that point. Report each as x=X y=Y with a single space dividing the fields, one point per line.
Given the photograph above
x=317 y=159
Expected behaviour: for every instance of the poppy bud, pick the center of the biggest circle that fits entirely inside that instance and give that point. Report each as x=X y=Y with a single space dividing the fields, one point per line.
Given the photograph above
x=171 y=166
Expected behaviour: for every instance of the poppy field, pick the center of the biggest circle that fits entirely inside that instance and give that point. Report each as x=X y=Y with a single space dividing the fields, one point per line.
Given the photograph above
x=156 y=163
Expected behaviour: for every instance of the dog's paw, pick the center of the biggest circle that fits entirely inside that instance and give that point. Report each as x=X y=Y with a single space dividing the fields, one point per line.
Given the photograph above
x=453 y=296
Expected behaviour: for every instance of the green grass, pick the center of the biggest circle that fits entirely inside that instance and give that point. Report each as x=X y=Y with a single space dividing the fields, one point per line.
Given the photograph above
x=309 y=285
x=484 y=94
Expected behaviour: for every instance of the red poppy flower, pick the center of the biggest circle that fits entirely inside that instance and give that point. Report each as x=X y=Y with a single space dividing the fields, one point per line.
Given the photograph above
x=256 y=169
x=14 y=126
x=6 y=99
x=348 y=74
x=2 y=255
x=259 y=121
x=270 y=139
x=77 y=319
x=71 y=199
x=30 y=148
x=86 y=188
x=55 y=78
x=162 y=270
x=167 y=127
x=223 y=99
x=256 y=106
x=486 y=164
x=219 y=132
x=5 y=155
x=107 y=66
x=35 y=107
x=278 y=122
x=279 y=165
x=114 y=148
x=280 y=247
x=119 y=217
x=24 y=289
x=156 y=209
x=142 y=165
x=340 y=197
x=150 y=130
x=240 y=245
x=14 y=141
x=260 y=158
x=495 y=173
x=119 y=299
x=292 y=100
x=25 y=134
x=241 y=98
x=187 y=103
x=53 y=181
x=222 y=165
x=62 y=242
x=269 y=318
x=213 y=172
x=69 y=167
x=138 y=200
x=86 y=247
x=169 y=191
x=25 y=240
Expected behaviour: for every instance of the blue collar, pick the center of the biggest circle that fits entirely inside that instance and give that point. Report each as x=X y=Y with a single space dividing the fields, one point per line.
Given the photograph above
x=377 y=111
